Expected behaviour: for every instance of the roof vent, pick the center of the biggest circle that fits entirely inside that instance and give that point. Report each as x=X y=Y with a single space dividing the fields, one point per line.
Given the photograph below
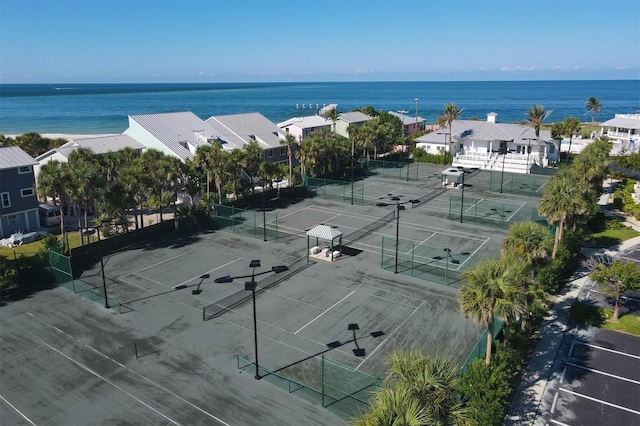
x=491 y=117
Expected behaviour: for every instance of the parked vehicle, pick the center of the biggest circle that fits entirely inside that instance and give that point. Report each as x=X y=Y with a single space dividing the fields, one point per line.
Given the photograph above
x=49 y=215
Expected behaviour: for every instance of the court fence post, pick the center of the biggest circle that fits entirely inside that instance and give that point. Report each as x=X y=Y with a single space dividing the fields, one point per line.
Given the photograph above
x=449 y=217
x=276 y=224
x=413 y=252
x=382 y=255
x=233 y=221
x=475 y=213
x=322 y=380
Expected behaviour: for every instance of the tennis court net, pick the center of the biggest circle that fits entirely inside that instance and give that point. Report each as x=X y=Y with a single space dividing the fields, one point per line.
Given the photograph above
x=372 y=227
x=239 y=297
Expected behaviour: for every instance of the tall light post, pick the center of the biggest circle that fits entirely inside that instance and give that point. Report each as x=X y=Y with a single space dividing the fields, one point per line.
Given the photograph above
x=96 y=230
x=528 y=152
x=399 y=206
x=251 y=286
x=403 y=112
x=264 y=211
x=462 y=200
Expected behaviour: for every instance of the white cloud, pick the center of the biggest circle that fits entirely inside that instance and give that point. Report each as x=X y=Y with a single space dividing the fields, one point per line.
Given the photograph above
x=556 y=68
x=506 y=69
x=201 y=74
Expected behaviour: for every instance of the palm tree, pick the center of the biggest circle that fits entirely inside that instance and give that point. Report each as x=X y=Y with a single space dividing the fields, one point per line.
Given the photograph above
x=565 y=197
x=594 y=107
x=333 y=115
x=528 y=242
x=493 y=288
x=52 y=181
x=291 y=142
x=451 y=113
x=571 y=126
x=421 y=389
x=537 y=115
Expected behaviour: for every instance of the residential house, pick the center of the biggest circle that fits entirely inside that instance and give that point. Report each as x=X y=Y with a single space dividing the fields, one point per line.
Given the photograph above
x=490 y=145
x=18 y=200
x=624 y=131
x=347 y=119
x=177 y=134
x=301 y=127
x=97 y=145
x=410 y=124
x=240 y=129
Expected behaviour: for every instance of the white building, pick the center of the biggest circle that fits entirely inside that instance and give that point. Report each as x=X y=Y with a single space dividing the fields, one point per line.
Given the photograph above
x=302 y=127
x=489 y=145
x=624 y=131
x=97 y=145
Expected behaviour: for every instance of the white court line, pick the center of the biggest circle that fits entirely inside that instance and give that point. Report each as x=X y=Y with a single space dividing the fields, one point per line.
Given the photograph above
x=164 y=261
x=517 y=210
x=600 y=401
x=389 y=336
x=331 y=307
x=636 y=382
x=158 y=294
x=17 y=411
x=109 y=382
x=558 y=423
x=606 y=349
x=140 y=375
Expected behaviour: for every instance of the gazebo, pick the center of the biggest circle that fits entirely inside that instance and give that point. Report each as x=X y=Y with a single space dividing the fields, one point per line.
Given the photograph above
x=325 y=233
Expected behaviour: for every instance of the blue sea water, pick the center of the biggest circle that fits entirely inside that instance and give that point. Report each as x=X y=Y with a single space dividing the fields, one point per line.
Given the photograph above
x=104 y=108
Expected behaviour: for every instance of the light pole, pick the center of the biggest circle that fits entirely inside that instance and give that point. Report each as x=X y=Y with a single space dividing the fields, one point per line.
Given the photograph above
x=251 y=286
x=104 y=281
x=462 y=200
x=403 y=112
x=528 y=153
x=264 y=212
x=399 y=206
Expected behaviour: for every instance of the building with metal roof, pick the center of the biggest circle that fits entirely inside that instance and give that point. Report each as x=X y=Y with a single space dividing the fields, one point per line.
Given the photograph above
x=301 y=127
x=97 y=145
x=355 y=118
x=177 y=134
x=482 y=144
x=239 y=129
x=623 y=131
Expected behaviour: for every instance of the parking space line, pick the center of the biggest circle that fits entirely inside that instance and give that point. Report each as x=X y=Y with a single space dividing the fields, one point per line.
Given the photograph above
x=606 y=349
x=603 y=373
x=600 y=401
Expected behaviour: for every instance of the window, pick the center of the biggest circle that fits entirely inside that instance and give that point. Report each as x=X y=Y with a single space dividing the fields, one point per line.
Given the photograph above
x=26 y=192
x=270 y=153
x=6 y=200
x=283 y=150
x=24 y=170
x=552 y=149
x=12 y=219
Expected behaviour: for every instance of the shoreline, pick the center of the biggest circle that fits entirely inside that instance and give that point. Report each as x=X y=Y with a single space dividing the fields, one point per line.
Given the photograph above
x=69 y=136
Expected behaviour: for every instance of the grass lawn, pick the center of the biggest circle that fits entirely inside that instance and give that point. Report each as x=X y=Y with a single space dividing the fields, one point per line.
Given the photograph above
x=599 y=317
x=612 y=237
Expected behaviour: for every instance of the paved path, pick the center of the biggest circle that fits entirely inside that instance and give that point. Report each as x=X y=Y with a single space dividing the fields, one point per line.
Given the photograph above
x=524 y=407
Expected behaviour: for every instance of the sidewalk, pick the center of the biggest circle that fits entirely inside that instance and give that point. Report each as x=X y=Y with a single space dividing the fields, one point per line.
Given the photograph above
x=528 y=394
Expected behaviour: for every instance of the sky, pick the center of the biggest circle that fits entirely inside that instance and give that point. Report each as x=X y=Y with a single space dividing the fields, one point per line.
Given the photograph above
x=211 y=41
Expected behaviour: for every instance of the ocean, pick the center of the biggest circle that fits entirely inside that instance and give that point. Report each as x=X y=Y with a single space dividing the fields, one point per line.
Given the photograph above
x=104 y=108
